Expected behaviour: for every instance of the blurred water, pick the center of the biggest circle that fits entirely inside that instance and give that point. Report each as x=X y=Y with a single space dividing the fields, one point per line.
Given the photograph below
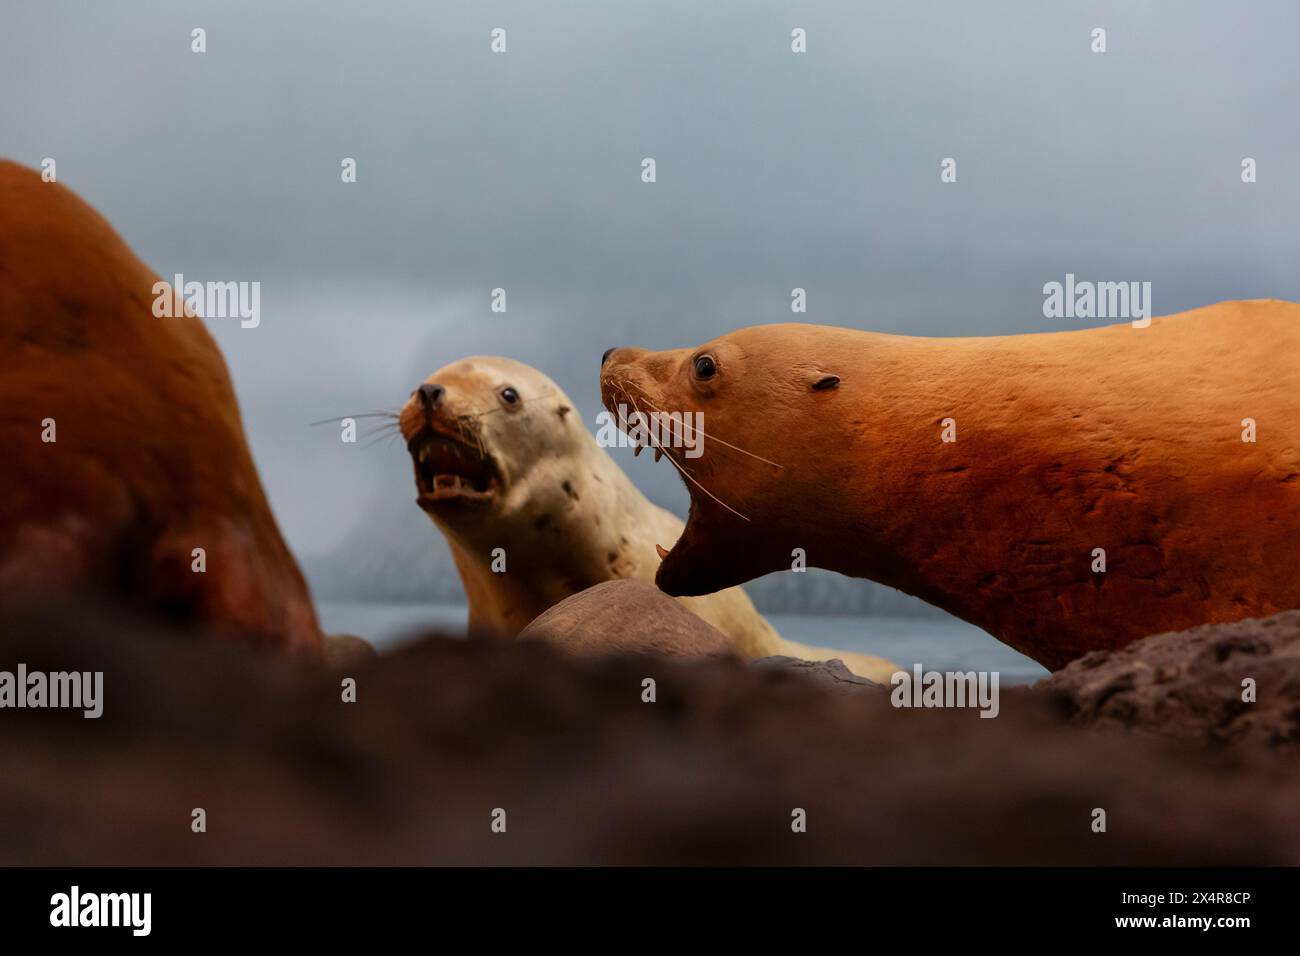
x=942 y=644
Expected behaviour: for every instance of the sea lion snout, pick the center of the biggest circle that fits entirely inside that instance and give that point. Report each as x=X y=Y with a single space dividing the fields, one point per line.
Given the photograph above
x=619 y=355
x=627 y=373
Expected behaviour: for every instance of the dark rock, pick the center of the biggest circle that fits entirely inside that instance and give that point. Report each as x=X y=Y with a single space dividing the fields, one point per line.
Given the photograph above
x=445 y=731
x=1190 y=684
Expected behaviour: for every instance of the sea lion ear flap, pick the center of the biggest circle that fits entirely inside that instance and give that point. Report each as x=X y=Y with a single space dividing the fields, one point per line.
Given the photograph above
x=826 y=382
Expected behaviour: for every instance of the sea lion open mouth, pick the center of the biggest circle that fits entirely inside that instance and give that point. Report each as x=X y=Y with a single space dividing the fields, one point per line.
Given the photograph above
x=449 y=470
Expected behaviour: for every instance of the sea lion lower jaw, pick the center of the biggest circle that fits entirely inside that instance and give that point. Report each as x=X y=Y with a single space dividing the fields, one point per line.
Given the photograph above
x=681 y=574
x=711 y=555
x=1066 y=492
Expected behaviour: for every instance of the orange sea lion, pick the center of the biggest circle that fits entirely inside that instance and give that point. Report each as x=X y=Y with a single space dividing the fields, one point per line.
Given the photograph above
x=997 y=477
x=123 y=446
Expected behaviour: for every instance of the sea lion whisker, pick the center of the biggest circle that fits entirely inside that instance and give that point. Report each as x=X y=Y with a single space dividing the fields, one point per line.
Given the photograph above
x=494 y=411
x=692 y=479
x=383 y=431
x=388 y=428
x=471 y=436
x=327 y=421
x=707 y=437
x=476 y=435
x=667 y=454
x=378 y=438
x=635 y=407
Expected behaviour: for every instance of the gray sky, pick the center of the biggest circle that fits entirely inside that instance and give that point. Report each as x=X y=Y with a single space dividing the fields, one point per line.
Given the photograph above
x=522 y=171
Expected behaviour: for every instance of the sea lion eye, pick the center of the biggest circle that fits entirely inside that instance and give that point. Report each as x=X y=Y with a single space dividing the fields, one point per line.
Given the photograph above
x=705 y=367
x=509 y=396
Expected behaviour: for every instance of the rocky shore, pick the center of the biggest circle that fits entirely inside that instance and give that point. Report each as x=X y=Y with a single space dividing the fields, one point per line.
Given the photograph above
x=444 y=735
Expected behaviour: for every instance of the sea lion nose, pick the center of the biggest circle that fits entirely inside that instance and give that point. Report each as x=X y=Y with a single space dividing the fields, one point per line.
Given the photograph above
x=431 y=395
x=605 y=358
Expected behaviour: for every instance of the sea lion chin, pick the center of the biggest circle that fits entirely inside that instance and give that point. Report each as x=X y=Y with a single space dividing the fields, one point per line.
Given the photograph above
x=1066 y=492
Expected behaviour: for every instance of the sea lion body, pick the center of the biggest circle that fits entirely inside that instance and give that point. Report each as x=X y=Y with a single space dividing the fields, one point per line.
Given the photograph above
x=1124 y=439
x=535 y=484
x=148 y=460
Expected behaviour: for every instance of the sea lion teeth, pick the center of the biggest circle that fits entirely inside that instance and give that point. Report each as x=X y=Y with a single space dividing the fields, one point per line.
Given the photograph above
x=663 y=552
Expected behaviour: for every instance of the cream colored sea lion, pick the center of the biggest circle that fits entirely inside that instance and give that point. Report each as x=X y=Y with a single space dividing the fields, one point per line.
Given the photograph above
x=1066 y=491
x=509 y=473
x=125 y=466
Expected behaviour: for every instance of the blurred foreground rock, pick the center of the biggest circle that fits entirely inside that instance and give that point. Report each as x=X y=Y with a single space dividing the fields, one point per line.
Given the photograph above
x=1190 y=684
x=443 y=732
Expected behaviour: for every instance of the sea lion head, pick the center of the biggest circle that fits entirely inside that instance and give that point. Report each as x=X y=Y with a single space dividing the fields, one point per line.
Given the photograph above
x=488 y=438
x=755 y=397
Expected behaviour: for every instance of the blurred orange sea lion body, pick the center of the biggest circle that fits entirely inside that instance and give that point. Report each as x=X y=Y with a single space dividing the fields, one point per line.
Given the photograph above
x=126 y=466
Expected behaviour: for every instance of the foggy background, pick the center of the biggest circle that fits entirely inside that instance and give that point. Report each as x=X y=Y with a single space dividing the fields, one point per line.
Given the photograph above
x=522 y=171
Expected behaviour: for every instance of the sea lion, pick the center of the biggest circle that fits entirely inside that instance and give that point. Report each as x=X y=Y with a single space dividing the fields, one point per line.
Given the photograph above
x=1065 y=491
x=124 y=450
x=503 y=461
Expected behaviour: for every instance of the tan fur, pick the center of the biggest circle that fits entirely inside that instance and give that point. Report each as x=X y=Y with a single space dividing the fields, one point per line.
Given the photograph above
x=150 y=460
x=1122 y=438
x=568 y=517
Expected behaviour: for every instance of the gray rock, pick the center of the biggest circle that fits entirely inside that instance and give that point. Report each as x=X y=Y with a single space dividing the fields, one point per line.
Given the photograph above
x=830 y=673
x=625 y=617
